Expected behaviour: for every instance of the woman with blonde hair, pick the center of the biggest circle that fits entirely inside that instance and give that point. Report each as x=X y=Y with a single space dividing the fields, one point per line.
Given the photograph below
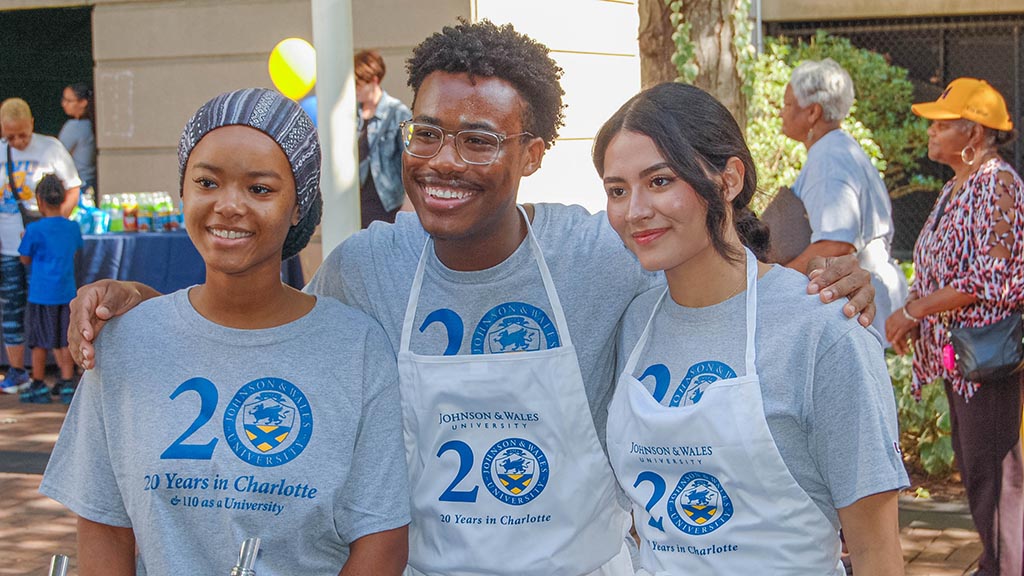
x=24 y=158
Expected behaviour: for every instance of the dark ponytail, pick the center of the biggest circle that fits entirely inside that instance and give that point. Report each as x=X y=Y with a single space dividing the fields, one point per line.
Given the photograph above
x=753 y=233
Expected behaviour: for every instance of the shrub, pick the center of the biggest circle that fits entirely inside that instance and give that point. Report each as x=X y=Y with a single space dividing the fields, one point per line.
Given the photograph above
x=925 y=433
x=924 y=424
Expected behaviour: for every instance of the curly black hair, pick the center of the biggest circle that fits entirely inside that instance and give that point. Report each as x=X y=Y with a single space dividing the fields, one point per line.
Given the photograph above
x=50 y=190
x=486 y=50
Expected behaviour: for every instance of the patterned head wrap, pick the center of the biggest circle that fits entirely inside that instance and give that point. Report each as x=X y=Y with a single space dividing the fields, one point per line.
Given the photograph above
x=287 y=124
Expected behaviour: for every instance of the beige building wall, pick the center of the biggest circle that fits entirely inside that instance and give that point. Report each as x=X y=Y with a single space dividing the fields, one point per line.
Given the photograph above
x=788 y=10
x=595 y=43
x=156 y=62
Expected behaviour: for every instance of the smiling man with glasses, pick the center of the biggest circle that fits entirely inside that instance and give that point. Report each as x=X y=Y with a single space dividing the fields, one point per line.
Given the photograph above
x=503 y=318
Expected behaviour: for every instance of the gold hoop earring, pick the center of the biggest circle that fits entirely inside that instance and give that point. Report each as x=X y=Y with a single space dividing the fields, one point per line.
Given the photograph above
x=963 y=155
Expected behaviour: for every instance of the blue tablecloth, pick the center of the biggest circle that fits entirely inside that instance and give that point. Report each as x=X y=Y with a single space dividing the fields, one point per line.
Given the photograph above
x=167 y=261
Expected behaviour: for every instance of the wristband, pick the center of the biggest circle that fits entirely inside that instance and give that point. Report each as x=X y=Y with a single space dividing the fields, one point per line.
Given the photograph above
x=908 y=316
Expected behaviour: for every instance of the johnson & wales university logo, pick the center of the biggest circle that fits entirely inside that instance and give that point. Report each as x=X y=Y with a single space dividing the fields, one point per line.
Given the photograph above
x=268 y=422
x=699 y=504
x=515 y=471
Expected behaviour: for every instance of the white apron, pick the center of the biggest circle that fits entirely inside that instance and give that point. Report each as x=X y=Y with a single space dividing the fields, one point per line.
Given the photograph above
x=710 y=492
x=506 y=472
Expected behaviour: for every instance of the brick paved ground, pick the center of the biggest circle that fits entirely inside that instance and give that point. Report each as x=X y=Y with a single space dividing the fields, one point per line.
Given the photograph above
x=938 y=539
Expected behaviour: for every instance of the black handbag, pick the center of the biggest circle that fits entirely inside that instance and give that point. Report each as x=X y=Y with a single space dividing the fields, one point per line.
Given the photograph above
x=27 y=216
x=989 y=352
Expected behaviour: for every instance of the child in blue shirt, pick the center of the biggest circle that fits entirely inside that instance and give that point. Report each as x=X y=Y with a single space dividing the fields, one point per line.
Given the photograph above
x=49 y=245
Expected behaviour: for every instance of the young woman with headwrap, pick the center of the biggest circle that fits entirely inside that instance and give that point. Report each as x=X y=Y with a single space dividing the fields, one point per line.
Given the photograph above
x=214 y=417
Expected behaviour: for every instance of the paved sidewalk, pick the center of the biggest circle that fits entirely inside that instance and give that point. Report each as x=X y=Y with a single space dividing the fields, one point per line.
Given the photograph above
x=938 y=539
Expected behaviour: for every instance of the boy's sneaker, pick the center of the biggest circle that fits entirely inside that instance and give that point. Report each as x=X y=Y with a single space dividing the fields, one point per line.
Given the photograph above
x=66 y=390
x=37 y=393
x=15 y=380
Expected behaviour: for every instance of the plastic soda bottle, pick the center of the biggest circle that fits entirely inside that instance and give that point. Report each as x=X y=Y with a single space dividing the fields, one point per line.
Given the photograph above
x=111 y=204
x=165 y=213
x=144 y=214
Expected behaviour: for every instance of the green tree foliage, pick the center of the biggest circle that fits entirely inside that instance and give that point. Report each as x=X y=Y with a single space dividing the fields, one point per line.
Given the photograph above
x=683 y=56
x=881 y=120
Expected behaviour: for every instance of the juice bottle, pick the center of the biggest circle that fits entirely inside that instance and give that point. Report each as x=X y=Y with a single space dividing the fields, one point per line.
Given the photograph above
x=130 y=208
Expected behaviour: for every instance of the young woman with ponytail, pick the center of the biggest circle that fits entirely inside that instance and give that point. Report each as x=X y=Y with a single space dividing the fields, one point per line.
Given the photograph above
x=749 y=422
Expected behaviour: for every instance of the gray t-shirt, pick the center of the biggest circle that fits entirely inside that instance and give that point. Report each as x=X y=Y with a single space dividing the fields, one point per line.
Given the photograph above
x=76 y=135
x=198 y=436
x=504 y=308
x=827 y=395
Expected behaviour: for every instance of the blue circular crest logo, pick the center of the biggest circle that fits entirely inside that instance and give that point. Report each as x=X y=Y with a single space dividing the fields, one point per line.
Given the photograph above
x=514 y=327
x=515 y=471
x=698 y=378
x=268 y=422
x=699 y=504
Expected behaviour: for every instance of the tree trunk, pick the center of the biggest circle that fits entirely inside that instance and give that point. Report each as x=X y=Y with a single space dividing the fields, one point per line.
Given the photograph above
x=656 y=47
x=714 y=53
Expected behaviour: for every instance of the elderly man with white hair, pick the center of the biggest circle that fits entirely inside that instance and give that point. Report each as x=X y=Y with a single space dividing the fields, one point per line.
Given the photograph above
x=846 y=200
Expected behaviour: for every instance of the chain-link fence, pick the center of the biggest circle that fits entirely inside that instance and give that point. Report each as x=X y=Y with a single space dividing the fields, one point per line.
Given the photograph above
x=935 y=51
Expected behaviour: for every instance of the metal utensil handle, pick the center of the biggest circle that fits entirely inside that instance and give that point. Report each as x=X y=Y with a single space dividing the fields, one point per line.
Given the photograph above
x=59 y=565
x=247 y=558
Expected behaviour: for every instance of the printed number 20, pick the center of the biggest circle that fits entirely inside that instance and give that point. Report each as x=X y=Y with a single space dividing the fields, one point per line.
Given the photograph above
x=659 y=490
x=178 y=450
x=465 y=465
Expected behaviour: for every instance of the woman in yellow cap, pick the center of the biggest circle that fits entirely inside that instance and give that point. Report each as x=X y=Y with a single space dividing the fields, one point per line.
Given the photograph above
x=969 y=261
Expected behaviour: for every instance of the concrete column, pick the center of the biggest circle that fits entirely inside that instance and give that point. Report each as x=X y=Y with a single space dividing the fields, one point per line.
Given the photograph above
x=336 y=116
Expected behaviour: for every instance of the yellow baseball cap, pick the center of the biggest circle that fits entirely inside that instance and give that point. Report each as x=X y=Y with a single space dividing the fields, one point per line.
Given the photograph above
x=971 y=99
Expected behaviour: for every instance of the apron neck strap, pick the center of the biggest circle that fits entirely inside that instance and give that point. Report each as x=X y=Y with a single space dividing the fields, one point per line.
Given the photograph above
x=751 y=300
x=750 y=355
x=545 y=274
x=549 y=284
x=414 y=298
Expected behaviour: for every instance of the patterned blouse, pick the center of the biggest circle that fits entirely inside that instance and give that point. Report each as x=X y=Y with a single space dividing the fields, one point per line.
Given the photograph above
x=954 y=250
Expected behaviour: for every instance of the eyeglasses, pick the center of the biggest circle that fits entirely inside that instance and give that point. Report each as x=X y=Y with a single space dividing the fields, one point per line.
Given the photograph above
x=479 y=147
